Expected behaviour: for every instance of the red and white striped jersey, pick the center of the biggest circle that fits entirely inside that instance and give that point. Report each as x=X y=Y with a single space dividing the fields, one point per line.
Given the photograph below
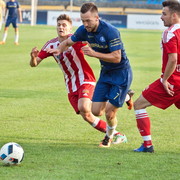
x=171 y=44
x=73 y=64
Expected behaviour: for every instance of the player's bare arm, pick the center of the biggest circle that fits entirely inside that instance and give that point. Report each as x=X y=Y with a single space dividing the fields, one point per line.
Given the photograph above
x=170 y=68
x=35 y=60
x=20 y=14
x=61 y=48
x=113 y=57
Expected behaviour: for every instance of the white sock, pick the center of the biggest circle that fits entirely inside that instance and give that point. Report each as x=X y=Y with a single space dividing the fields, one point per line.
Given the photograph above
x=110 y=131
x=96 y=121
x=5 y=36
x=16 y=37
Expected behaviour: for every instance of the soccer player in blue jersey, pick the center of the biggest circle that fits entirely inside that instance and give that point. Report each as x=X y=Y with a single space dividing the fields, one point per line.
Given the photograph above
x=12 y=11
x=103 y=42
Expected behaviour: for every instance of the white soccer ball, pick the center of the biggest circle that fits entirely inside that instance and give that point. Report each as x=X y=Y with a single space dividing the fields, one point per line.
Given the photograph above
x=11 y=153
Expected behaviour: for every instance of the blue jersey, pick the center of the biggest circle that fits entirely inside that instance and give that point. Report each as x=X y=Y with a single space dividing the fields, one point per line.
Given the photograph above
x=105 y=40
x=13 y=9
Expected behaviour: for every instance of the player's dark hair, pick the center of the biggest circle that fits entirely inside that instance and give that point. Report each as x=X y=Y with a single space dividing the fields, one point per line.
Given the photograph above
x=173 y=5
x=88 y=7
x=64 y=17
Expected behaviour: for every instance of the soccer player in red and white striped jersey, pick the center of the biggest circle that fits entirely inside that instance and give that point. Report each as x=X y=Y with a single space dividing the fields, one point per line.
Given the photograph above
x=79 y=77
x=165 y=91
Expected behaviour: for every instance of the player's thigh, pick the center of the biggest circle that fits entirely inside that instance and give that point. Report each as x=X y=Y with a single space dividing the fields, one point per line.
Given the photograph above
x=73 y=99
x=101 y=92
x=98 y=108
x=85 y=93
x=84 y=105
x=141 y=103
x=14 y=23
x=8 y=22
x=157 y=96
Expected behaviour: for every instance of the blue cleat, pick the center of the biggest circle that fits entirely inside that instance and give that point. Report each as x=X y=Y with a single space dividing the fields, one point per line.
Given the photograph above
x=144 y=149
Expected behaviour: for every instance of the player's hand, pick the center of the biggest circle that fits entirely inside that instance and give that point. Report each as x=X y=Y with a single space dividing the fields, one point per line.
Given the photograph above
x=168 y=87
x=56 y=52
x=87 y=50
x=34 y=52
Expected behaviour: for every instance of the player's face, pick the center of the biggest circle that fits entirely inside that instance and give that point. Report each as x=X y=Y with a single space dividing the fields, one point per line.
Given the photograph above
x=63 y=28
x=90 y=21
x=167 y=17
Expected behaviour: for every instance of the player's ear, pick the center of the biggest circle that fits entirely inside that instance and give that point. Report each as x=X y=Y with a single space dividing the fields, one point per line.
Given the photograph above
x=97 y=17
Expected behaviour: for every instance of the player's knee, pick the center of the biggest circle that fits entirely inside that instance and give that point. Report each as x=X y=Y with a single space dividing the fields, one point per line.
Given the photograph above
x=97 y=112
x=83 y=108
x=110 y=116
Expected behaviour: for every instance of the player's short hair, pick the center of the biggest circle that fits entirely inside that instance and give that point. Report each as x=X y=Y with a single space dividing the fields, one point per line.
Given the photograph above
x=88 y=7
x=64 y=17
x=173 y=5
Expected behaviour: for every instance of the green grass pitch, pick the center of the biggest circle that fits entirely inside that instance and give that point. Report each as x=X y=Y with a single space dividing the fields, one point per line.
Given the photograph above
x=58 y=144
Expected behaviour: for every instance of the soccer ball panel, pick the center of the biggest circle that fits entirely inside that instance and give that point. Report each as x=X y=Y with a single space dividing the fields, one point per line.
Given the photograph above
x=11 y=153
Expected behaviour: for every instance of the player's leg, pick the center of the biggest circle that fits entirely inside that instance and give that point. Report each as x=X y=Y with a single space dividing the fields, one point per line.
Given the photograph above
x=4 y=36
x=84 y=106
x=8 y=22
x=110 y=113
x=154 y=95
x=99 y=103
x=143 y=124
x=81 y=102
x=16 y=38
x=99 y=106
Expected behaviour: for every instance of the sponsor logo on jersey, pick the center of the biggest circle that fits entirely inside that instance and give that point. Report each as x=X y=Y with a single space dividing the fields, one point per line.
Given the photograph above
x=102 y=39
x=90 y=36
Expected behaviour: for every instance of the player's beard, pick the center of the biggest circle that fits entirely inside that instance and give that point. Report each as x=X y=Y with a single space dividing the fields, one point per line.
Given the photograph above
x=91 y=29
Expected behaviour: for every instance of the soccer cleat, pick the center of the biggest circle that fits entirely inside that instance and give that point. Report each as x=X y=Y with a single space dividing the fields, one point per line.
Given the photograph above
x=118 y=138
x=130 y=101
x=16 y=43
x=106 y=142
x=2 y=42
x=144 y=149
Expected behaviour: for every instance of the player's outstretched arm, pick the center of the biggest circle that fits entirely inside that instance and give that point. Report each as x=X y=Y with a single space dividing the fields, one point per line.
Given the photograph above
x=35 y=60
x=61 y=48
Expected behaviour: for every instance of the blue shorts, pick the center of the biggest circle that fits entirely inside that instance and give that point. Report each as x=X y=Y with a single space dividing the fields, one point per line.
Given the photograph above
x=11 y=20
x=113 y=86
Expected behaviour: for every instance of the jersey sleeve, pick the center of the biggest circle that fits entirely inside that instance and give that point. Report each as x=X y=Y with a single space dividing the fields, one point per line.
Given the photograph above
x=79 y=35
x=170 y=43
x=43 y=54
x=18 y=5
x=114 y=40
